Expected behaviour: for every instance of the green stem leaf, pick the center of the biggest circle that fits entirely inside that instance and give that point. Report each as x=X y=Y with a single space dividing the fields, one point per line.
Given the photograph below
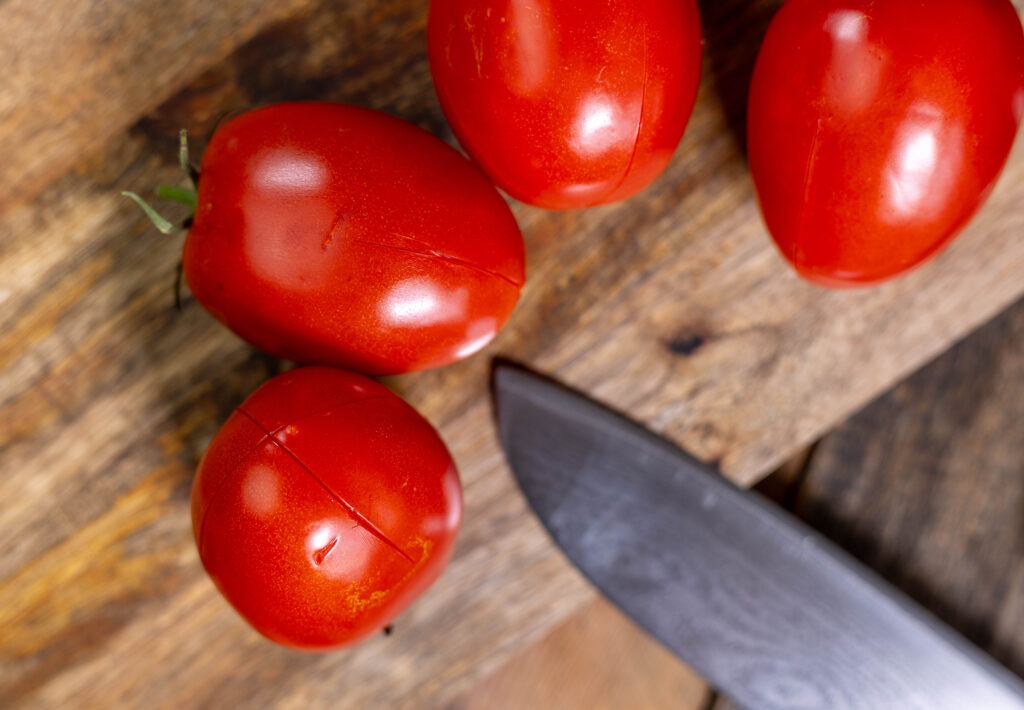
x=183 y=195
x=183 y=159
x=159 y=222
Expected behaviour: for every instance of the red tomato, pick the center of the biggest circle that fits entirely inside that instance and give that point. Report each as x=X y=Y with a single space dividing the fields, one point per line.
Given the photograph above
x=336 y=235
x=324 y=506
x=878 y=127
x=567 y=104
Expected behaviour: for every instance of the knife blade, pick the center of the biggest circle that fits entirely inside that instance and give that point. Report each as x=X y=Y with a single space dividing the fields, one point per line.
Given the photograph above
x=766 y=609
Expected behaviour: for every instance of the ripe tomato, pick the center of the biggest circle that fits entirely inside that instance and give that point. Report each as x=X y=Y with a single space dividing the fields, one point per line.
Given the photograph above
x=878 y=127
x=567 y=104
x=323 y=507
x=335 y=235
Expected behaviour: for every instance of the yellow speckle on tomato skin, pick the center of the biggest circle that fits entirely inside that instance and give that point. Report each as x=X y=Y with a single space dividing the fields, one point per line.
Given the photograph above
x=424 y=545
x=358 y=599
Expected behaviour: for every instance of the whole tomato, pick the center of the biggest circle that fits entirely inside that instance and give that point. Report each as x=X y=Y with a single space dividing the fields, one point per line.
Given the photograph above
x=567 y=104
x=335 y=235
x=323 y=507
x=878 y=127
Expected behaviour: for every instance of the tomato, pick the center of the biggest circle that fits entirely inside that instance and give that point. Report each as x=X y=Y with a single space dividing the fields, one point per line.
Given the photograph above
x=323 y=507
x=335 y=235
x=567 y=104
x=877 y=128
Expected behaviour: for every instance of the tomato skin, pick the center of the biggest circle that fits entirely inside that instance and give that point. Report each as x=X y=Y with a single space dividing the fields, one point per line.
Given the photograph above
x=323 y=507
x=567 y=104
x=335 y=235
x=877 y=128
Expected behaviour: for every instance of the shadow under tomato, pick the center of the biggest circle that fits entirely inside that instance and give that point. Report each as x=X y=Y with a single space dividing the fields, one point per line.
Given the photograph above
x=733 y=31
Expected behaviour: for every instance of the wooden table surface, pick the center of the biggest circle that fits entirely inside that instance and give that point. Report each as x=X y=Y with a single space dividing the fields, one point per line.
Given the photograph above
x=673 y=306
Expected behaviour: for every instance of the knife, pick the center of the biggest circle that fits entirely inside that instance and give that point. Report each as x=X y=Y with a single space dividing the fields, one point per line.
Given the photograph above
x=766 y=609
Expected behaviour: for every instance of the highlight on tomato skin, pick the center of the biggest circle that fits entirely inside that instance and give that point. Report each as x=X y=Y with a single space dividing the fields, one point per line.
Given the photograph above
x=323 y=507
x=876 y=130
x=335 y=235
x=567 y=104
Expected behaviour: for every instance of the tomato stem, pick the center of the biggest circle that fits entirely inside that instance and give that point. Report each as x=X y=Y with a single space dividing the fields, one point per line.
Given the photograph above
x=179 y=272
x=188 y=196
x=184 y=195
x=185 y=162
x=159 y=222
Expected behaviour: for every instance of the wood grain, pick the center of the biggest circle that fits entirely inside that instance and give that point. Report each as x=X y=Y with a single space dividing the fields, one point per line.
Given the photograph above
x=78 y=73
x=672 y=306
x=596 y=660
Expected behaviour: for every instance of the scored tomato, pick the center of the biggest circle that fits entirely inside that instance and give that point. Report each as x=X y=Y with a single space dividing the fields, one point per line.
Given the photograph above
x=335 y=235
x=567 y=104
x=323 y=507
x=877 y=128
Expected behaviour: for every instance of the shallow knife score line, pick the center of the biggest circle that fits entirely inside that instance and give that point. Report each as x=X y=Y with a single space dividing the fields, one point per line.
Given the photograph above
x=845 y=639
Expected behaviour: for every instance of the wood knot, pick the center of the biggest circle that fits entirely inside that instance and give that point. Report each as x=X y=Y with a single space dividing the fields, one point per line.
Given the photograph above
x=686 y=342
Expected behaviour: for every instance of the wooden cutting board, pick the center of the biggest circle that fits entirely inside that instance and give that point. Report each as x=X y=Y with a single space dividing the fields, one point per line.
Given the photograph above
x=673 y=307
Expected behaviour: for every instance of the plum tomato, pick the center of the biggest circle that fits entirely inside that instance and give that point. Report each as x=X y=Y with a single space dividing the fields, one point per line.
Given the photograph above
x=323 y=507
x=877 y=128
x=335 y=235
x=567 y=104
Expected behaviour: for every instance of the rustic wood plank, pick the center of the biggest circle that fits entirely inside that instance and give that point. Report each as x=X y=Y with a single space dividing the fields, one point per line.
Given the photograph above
x=78 y=73
x=595 y=660
x=673 y=307
x=927 y=486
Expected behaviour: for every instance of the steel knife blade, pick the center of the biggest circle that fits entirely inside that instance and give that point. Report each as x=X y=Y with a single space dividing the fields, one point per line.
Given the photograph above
x=766 y=609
